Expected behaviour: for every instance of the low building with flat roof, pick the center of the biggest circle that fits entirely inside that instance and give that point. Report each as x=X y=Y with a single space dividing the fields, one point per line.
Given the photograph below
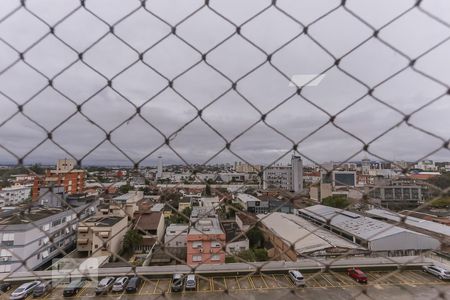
x=252 y=204
x=377 y=236
x=437 y=230
x=294 y=237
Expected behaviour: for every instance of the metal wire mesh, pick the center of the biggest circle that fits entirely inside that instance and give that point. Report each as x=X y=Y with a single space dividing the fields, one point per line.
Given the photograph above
x=30 y=74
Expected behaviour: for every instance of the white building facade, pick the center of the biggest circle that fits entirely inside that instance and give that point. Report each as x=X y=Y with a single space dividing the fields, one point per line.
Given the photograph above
x=285 y=177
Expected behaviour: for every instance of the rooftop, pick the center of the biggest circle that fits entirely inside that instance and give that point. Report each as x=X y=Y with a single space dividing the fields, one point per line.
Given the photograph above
x=363 y=227
x=148 y=220
x=247 y=198
x=411 y=221
x=103 y=221
x=306 y=237
x=25 y=216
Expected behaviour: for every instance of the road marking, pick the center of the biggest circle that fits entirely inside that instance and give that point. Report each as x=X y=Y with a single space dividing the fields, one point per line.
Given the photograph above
x=251 y=283
x=156 y=286
x=265 y=283
x=237 y=281
x=142 y=287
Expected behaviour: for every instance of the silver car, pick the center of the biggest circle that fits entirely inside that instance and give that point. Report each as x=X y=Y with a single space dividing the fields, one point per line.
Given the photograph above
x=296 y=277
x=104 y=286
x=24 y=290
x=120 y=284
x=441 y=273
x=191 y=282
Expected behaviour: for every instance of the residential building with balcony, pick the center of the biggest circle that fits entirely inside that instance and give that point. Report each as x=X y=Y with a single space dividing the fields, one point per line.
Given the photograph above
x=101 y=236
x=37 y=235
x=14 y=195
x=205 y=238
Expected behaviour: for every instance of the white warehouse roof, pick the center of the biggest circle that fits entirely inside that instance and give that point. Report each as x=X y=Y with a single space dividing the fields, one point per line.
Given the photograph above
x=411 y=221
x=247 y=198
x=380 y=235
x=307 y=237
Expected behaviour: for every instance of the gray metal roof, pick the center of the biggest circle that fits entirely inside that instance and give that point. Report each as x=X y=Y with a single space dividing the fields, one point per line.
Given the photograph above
x=411 y=221
x=306 y=236
x=357 y=225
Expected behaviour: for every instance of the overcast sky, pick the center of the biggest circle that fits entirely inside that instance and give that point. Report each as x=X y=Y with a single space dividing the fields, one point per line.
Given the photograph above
x=135 y=84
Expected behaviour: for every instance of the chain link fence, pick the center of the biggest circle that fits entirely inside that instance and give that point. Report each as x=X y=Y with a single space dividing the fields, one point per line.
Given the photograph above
x=65 y=67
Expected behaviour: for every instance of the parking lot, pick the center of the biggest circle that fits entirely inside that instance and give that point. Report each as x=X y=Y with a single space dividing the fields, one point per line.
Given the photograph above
x=265 y=282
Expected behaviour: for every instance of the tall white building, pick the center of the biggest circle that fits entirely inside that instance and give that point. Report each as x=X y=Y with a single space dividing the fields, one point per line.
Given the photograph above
x=285 y=177
x=159 y=172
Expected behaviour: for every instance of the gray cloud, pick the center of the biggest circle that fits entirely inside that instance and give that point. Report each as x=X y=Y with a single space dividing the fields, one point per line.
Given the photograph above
x=145 y=84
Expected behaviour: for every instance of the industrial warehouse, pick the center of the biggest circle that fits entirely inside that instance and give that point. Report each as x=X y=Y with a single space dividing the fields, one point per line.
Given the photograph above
x=440 y=231
x=375 y=235
x=284 y=230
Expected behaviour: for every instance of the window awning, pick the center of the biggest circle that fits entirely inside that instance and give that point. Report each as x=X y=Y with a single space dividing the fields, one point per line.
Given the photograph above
x=82 y=241
x=104 y=234
x=83 y=229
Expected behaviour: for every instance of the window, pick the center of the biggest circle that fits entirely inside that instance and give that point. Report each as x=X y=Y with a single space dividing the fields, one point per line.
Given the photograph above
x=197 y=244
x=196 y=258
x=215 y=244
x=5 y=255
x=8 y=239
x=215 y=257
x=46 y=227
x=5 y=268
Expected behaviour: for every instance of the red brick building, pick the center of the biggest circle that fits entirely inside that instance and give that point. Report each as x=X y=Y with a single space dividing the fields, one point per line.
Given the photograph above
x=73 y=180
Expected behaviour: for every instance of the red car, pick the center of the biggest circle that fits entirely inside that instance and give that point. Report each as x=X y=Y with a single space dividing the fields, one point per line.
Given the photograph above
x=357 y=274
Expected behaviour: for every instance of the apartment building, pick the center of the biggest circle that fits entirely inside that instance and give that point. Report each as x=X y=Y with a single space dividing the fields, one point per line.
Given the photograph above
x=176 y=235
x=14 y=195
x=205 y=238
x=101 y=236
x=73 y=180
x=33 y=236
x=285 y=177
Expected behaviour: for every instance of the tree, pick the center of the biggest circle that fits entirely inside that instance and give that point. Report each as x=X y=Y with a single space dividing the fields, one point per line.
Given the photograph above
x=208 y=190
x=36 y=168
x=247 y=255
x=124 y=189
x=261 y=254
x=337 y=201
x=255 y=237
x=180 y=218
x=232 y=208
x=131 y=239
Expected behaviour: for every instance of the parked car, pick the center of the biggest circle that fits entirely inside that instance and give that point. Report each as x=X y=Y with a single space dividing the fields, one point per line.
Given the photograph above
x=74 y=287
x=177 y=282
x=104 y=286
x=133 y=284
x=5 y=286
x=296 y=277
x=439 y=272
x=120 y=284
x=191 y=282
x=43 y=289
x=357 y=274
x=24 y=290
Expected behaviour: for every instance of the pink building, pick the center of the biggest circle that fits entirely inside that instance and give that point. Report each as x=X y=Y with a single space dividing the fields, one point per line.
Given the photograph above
x=205 y=239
